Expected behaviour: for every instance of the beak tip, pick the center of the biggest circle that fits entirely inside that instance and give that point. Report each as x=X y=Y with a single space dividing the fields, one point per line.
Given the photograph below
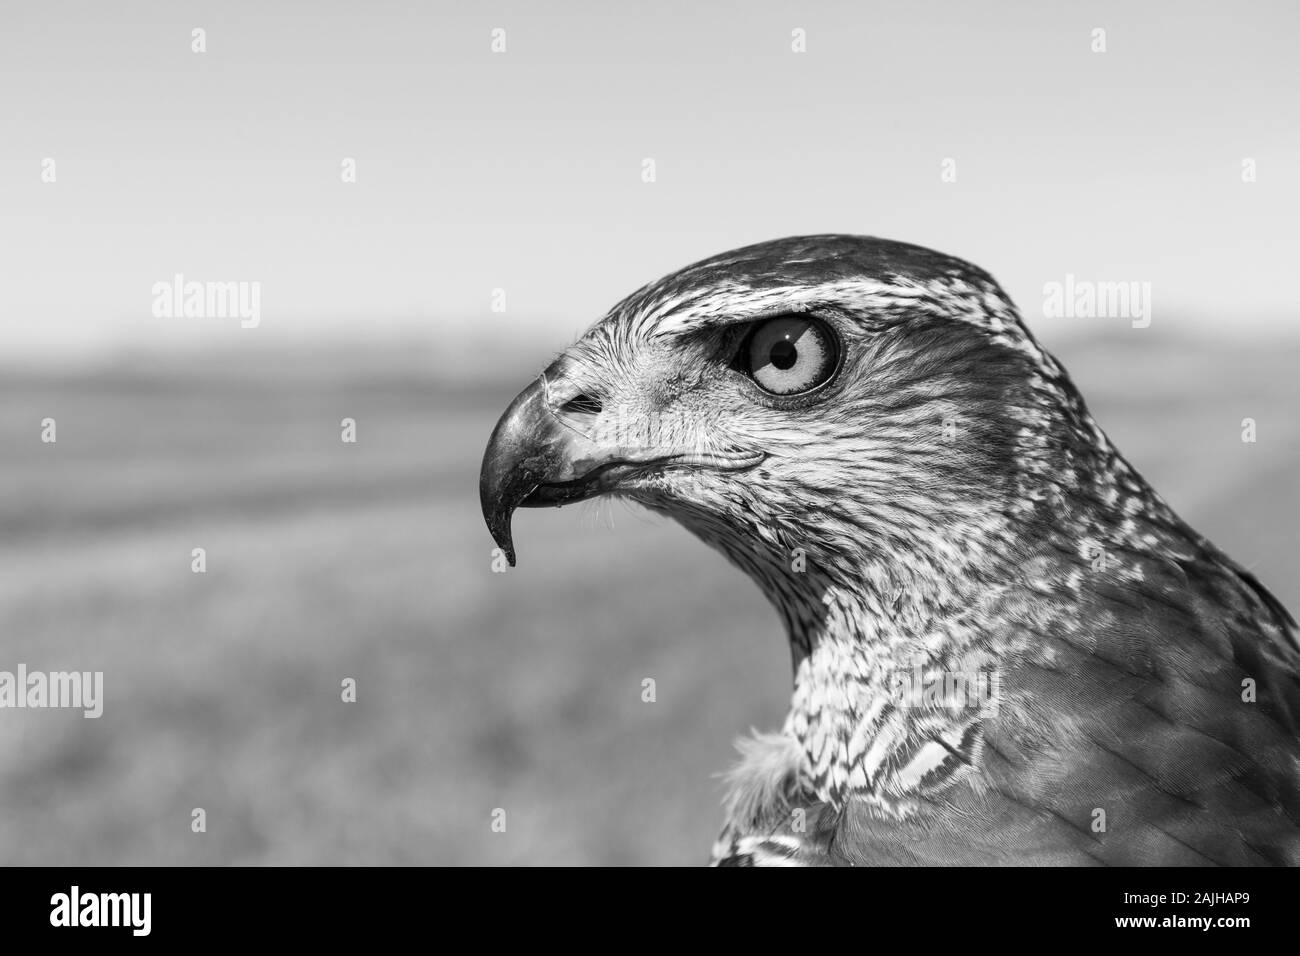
x=507 y=546
x=497 y=513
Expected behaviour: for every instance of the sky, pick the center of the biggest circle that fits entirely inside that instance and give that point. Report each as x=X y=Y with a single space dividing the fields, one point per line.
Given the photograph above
x=524 y=170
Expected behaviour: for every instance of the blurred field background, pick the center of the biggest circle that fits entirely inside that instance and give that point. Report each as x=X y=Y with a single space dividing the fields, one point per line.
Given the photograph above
x=475 y=690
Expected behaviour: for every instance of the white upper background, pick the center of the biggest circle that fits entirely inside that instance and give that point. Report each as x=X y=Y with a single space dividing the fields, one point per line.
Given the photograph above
x=522 y=170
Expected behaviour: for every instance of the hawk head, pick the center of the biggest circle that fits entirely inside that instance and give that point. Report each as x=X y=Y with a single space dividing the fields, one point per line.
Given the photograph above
x=863 y=426
x=997 y=625
x=869 y=431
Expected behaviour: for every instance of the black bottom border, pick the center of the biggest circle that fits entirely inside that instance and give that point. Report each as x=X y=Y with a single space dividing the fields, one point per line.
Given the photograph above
x=931 y=906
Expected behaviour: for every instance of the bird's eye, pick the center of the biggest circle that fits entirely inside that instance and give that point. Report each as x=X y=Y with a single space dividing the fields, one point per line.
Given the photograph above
x=790 y=354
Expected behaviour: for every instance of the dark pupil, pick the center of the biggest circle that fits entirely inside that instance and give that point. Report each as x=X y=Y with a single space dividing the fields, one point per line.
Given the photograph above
x=783 y=355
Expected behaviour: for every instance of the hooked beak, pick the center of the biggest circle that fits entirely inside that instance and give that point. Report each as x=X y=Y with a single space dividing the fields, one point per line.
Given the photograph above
x=536 y=458
x=539 y=455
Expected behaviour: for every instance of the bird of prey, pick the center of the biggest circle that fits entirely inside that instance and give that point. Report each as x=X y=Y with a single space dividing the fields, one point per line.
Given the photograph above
x=1007 y=648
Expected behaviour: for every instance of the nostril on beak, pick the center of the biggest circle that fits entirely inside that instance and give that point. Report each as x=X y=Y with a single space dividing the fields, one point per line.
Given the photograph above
x=582 y=404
